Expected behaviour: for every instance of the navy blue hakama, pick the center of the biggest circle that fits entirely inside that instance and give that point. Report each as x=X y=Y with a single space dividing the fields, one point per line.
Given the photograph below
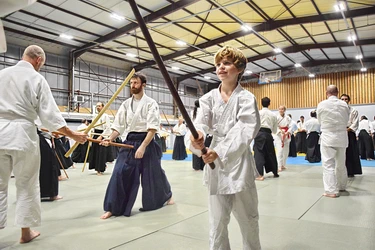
x=125 y=180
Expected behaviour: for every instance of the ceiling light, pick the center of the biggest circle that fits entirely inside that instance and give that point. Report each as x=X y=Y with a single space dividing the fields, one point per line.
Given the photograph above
x=277 y=50
x=363 y=69
x=297 y=65
x=248 y=72
x=131 y=55
x=182 y=43
x=352 y=38
x=119 y=80
x=113 y=79
x=340 y=6
x=66 y=36
x=117 y=17
x=175 y=68
x=207 y=77
x=358 y=57
x=246 y=27
x=311 y=75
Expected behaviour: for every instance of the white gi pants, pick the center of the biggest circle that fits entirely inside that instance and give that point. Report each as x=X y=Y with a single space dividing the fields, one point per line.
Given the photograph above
x=282 y=152
x=244 y=206
x=335 y=175
x=25 y=166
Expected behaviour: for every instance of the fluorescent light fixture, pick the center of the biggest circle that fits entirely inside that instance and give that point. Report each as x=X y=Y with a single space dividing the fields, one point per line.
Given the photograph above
x=311 y=75
x=340 y=6
x=131 y=55
x=248 y=72
x=175 y=68
x=182 y=43
x=66 y=36
x=358 y=57
x=113 y=79
x=277 y=50
x=119 y=80
x=207 y=77
x=246 y=27
x=352 y=38
x=117 y=17
x=297 y=65
x=363 y=69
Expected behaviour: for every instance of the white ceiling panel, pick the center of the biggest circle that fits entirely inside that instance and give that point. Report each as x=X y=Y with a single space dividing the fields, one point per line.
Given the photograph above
x=317 y=54
x=368 y=50
x=334 y=53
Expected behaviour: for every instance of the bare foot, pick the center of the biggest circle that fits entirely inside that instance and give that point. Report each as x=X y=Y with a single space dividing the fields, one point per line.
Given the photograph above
x=106 y=215
x=55 y=198
x=61 y=178
x=28 y=235
x=170 y=201
x=260 y=178
x=279 y=170
x=283 y=168
x=330 y=195
x=99 y=173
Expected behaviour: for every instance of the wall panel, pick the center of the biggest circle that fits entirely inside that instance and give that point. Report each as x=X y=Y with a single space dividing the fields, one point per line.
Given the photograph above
x=305 y=92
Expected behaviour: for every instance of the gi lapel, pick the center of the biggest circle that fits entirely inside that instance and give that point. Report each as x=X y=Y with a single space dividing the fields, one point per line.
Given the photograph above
x=137 y=112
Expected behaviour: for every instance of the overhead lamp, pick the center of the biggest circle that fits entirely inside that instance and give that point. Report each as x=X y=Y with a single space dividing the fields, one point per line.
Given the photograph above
x=352 y=38
x=363 y=69
x=119 y=80
x=113 y=79
x=175 y=68
x=117 y=17
x=131 y=55
x=311 y=75
x=65 y=36
x=182 y=43
x=340 y=6
x=248 y=72
x=207 y=77
x=358 y=57
x=297 y=65
x=277 y=50
x=246 y=28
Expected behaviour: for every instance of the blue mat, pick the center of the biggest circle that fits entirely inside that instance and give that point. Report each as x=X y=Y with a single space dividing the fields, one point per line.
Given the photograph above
x=299 y=160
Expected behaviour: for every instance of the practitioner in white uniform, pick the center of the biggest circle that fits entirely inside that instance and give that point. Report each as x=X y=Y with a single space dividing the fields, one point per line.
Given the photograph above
x=282 y=139
x=333 y=116
x=230 y=114
x=25 y=95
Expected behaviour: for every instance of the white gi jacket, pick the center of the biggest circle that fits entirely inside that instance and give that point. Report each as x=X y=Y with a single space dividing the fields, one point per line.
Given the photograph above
x=233 y=125
x=25 y=95
x=353 y=122
x=268 y=119
x=312 y=125
x=146 y=116
x=106 y=127
x=333 y=116
x=180 y=129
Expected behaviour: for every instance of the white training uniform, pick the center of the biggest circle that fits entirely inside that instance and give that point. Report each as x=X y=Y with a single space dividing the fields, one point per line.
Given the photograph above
x=24 y=95
x=312 y=125
x=293 y=127
x=282 y=142
x=365 y=125
x=106 y=127
x=231 y=184
x=333 y=116
x=353 y=122
x=181 y=129
x=268 y=119
x=140 y=119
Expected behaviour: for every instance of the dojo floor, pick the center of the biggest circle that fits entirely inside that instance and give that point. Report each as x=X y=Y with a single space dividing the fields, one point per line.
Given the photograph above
x=293 y=214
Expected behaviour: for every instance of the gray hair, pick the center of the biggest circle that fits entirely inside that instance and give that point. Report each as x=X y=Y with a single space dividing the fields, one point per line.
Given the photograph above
x=34 y=51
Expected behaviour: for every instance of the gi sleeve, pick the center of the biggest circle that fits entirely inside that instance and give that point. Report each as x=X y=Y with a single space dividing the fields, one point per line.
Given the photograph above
x=47 y=109
x=119 y=124
x=153 y=116
x=355 y=120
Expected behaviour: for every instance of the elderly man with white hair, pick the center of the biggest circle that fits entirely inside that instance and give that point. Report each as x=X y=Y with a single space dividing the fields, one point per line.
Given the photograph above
x=25 y=96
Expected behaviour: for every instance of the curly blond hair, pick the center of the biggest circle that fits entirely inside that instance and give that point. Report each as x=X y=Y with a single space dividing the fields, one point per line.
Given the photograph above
x=239 y=59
